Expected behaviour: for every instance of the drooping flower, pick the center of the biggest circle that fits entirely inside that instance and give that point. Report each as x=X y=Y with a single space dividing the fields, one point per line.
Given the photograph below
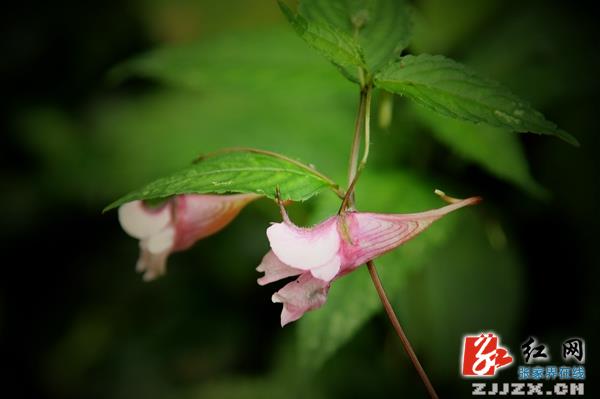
x=333 y=248
x=176 y=225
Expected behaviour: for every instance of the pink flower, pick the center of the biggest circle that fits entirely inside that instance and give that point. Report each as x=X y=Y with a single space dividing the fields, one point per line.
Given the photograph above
x=176 y=225
x=334 y=248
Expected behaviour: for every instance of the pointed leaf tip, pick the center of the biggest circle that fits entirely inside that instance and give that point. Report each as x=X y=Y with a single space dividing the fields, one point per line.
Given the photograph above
x=454 y=90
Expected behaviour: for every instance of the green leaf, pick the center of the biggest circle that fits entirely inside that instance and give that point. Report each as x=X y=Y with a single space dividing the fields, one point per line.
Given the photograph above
x=383 y=28
x=352 y=300
x=260 y=62
x=338 y=47
x=237 y=171
x=496 y=150
x=453 y=90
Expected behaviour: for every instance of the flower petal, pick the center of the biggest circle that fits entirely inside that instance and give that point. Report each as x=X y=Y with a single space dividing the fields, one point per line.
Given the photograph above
x=298 y=297
x=162 y=241
x=140 y=221
x=305 y=248
x=328 y=271
x=199 y=216
x=374 y=234
x=153 y=265
x=274 y=269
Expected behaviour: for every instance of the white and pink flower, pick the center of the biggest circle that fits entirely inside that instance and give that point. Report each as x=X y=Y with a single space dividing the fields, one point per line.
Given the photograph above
x=333 y=248
x=176 y=225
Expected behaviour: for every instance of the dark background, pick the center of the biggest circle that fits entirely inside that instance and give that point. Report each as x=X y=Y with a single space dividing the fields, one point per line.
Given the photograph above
x=76 y=320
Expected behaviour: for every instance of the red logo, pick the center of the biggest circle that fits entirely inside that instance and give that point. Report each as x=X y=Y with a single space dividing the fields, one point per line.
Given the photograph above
x=482 y=355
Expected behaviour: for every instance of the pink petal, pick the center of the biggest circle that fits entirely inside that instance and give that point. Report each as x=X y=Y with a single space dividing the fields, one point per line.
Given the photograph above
x=199 y=216
x=140 y=221
x=374 y=234
x=274 y=269
x=306 y=249
x=298 y=297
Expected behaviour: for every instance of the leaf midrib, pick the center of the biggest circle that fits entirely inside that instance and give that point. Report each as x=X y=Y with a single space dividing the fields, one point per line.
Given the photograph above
x=252 y=169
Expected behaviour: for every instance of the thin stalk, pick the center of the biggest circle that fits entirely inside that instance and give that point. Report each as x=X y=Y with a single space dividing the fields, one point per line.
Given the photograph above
x=365 y=157
x=349 y=197
x=399 y=330
x=349 y=200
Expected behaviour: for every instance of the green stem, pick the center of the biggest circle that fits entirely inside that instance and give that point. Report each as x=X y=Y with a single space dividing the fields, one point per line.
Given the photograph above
x=354 y=169
x=365 y=157
x=353 y=161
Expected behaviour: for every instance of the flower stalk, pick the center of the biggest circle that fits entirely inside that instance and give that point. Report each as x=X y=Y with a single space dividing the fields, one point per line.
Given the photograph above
x=399 y=330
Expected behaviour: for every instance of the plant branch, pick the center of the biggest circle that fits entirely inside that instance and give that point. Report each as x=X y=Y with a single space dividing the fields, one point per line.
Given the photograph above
x=354 y=169
x=399 y=330
x=353 y=162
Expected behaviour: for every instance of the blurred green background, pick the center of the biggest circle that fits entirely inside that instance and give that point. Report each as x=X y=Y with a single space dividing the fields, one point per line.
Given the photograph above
x=101 y=97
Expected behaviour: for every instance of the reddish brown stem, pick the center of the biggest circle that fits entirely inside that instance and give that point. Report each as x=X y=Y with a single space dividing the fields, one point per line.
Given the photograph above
x=403 y=338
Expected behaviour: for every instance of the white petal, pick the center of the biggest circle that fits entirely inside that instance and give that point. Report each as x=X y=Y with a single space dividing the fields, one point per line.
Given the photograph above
x=162 y=241
x=152 y=265
x=305 y=248
x=328 y=271
x=141 y=222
